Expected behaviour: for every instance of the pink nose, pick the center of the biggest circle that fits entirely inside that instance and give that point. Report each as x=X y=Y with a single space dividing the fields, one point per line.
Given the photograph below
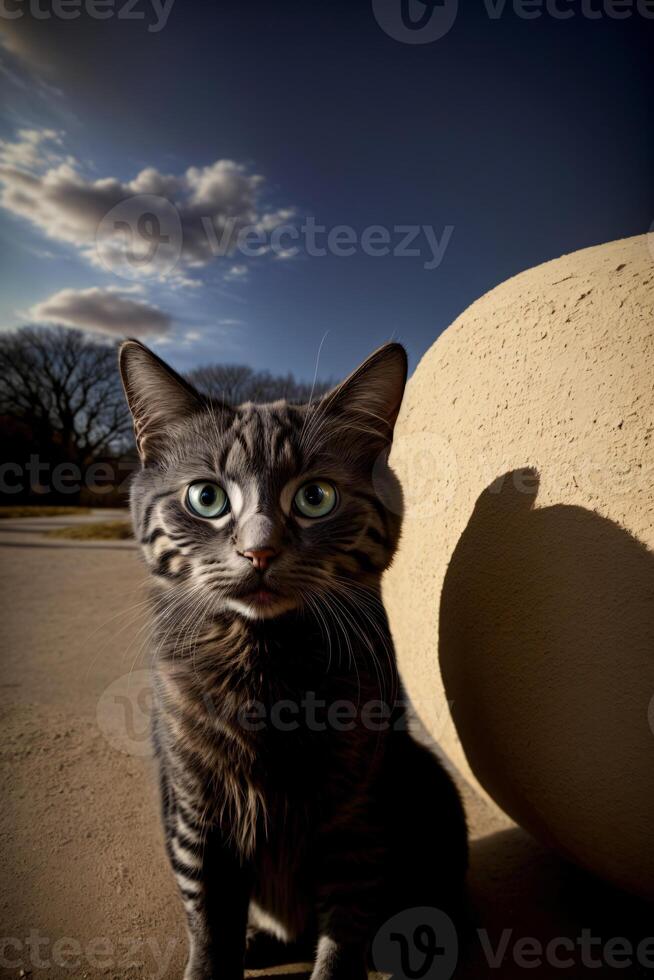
x=260 y=557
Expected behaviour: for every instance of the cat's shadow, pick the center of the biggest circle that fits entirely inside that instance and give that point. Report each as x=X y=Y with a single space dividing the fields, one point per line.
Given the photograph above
x=546 y=647
x=521 y=890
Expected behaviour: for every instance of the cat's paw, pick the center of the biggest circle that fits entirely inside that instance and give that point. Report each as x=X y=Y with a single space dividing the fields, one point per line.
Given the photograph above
x=199 y=969
x=336 y=961
x=351 y=971
x=192 y=973
x=208 y=966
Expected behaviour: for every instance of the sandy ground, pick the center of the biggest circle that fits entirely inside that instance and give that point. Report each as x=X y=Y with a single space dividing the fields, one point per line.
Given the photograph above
x=85 y=890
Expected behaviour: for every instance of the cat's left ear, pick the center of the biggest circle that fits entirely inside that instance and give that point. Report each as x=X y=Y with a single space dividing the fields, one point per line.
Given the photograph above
x=158 y=398
x=369 y=400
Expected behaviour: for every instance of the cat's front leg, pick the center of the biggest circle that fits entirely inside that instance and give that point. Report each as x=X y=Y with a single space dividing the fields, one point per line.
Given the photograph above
x=340 y=960
x=349 y=881
x=216 y=900
x=215 y=889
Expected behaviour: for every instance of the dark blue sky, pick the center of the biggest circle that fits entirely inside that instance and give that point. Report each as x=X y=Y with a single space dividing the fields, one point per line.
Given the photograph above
x=528 y=138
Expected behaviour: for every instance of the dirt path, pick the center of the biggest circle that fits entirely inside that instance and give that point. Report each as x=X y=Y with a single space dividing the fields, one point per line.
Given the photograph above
x=84 y=883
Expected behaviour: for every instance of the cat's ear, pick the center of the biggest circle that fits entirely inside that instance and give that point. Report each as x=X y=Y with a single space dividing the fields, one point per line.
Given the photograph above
x=368 y=401
x=157 y=396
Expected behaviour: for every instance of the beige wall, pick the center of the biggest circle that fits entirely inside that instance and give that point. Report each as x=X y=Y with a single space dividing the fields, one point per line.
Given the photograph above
x=523 y=591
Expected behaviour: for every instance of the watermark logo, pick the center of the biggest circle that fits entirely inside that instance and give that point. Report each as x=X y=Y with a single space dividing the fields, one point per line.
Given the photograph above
x=140 y=238
x=428 y=466
x=422 y=944
x=417 y=944
x=144 y=237
x=415 y=21
x=125 y=709
x=124 y=713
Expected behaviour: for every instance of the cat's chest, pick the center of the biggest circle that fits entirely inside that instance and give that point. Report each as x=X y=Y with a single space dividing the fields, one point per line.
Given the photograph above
x=280 y=728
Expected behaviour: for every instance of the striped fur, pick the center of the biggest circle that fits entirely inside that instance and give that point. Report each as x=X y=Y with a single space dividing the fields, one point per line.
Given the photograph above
x=289 y=806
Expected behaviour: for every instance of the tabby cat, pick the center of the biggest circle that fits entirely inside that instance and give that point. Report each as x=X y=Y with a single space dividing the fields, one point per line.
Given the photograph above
x=295 y=801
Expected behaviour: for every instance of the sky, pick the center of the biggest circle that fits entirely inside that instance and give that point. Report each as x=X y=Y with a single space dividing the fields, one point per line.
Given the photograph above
x=259 y=182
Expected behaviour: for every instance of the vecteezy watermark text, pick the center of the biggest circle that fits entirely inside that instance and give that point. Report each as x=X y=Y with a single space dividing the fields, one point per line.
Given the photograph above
x=317 y=240
x=426 y=21
x=156 y=12
x=124 y=713
x=144 y=237
x=147 y=955
x=422 y=944
x=431 y=474
x=42 y=477
x=565 y=9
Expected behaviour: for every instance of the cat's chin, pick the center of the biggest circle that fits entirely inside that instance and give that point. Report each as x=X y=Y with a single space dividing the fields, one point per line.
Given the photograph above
x=261 y=605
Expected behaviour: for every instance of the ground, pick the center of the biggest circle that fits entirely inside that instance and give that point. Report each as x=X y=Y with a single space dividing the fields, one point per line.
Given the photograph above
x=85 y=888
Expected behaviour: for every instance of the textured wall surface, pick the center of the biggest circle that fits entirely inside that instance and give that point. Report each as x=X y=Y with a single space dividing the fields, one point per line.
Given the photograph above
x=523 y=591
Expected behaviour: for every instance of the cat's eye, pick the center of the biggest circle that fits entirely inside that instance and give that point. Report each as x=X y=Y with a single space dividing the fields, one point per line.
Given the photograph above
x=207 y=499
x=316 y=499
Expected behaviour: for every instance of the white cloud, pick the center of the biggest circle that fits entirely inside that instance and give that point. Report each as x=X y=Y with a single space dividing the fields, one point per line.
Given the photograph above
x=208 y=207
x=107 y=311
x=236 y=273
x=31 y=150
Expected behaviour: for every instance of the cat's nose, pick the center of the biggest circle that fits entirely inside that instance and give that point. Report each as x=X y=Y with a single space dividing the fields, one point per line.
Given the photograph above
x=259 y=540
x=260 y=557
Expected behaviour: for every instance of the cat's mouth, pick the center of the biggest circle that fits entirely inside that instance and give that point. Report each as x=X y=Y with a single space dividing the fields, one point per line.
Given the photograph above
x=261 y=601
x=262 y=597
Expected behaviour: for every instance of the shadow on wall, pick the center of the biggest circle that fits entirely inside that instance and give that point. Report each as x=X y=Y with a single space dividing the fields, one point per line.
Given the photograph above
x=520 y=889
x=547 y=651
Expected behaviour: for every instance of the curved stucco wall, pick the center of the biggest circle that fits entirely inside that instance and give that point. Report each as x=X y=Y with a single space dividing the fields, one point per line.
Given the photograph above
x=523 y=591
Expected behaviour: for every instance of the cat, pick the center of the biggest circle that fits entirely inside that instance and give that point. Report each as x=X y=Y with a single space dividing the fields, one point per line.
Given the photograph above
x=295 y=801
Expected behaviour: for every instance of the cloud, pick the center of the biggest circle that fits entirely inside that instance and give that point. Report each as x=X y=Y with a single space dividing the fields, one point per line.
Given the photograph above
x=107 y=311
x=30 y=149
x=236 y=273
x=177 y=221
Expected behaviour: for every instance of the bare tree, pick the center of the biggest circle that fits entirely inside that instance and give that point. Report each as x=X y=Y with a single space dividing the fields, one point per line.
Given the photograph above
x=224 y=382
x=60 y=392
x=65 y=387
x=236 y=383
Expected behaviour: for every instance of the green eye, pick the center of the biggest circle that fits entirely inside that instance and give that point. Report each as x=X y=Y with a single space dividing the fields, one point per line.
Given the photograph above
x=316 y=499
x=207 y=499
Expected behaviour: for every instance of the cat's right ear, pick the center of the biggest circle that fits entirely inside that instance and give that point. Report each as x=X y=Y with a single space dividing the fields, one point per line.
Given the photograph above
x=157 y=396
